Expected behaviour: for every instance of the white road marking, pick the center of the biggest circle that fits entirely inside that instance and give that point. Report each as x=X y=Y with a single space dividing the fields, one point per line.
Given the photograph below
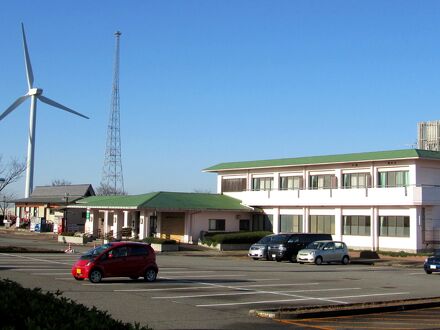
x=186 y=271
x=36 y=269
x=35 y=259
x=203 y=276
x=211 y=287
x=45 y=274
x=263 y=279
x=253 y=293
x=301 y=299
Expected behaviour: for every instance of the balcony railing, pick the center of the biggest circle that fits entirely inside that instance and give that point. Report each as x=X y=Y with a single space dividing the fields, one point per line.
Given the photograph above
x=405 y=195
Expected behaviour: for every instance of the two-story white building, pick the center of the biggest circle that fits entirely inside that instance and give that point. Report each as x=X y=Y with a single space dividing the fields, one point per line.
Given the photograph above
x=387 y=200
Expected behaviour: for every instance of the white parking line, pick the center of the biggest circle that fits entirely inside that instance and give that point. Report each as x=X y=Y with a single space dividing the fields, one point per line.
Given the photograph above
x=36 y=269
x=35 y=259
x=211 y=287
x=45 y=274
x=203 y=276
x=186 y=271
x=331 y=299
x=253 y=293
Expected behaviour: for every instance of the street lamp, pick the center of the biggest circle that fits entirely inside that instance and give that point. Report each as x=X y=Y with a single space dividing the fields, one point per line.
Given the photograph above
x=66 y=198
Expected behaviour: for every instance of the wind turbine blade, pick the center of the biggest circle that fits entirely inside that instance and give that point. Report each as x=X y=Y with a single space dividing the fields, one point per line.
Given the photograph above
x=60 y=106
x=12 y=107
x=27 y=60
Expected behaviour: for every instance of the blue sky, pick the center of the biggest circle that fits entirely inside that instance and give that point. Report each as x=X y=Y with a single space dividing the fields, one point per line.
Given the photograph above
x=204 y=82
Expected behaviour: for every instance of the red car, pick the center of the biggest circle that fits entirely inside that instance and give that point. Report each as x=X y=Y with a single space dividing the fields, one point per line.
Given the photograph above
x=117 y=259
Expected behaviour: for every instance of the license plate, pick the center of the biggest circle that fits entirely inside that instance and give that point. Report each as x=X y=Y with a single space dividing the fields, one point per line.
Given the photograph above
x=432 y=267
x=78 y=270
x=274 y=255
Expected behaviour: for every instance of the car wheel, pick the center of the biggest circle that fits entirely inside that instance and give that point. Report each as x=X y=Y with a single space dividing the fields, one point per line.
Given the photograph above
x=95 y=276
x=318 y=260
x=278 y=259
x=134 y=277
x=300 y=263
x=428 y=272
x=78 y=278
x=345 y=260
x=150 y=275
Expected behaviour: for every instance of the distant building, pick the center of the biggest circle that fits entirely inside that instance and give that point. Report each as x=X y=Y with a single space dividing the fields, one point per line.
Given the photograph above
x=47 y=204
x=429 y=135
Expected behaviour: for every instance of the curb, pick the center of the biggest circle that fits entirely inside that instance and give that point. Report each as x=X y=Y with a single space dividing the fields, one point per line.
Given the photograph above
x=349 y=309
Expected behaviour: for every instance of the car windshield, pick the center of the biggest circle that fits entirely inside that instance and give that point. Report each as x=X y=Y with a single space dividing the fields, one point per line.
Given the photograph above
x=280 y=239
x=265 y=240
x=95 y=252
x=316 y=245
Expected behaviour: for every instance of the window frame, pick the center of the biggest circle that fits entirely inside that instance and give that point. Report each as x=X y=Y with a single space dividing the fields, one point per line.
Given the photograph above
x=216 y=226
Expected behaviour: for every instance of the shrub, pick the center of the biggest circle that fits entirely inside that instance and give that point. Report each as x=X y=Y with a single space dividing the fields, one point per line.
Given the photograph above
x=68 y=233
x=157 y=240
x=22 y=308
x=241 y=237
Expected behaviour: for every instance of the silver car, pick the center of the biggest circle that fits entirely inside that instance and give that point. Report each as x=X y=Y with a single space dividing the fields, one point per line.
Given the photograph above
x=324 y=251
x=259 y=249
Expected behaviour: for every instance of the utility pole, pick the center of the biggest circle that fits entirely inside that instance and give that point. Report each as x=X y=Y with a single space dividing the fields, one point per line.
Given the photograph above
x=112 y=177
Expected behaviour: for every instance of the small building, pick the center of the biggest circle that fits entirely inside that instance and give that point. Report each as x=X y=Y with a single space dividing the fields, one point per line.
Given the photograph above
x=386 y=200
x=48 y=204
x=174 y=215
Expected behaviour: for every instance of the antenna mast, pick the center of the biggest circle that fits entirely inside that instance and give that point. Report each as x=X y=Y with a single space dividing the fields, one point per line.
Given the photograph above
x=112 y=178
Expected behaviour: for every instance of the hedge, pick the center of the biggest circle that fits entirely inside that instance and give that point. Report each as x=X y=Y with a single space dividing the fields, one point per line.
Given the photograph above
x=240 y=237
x=157 y=240
x=22 y=308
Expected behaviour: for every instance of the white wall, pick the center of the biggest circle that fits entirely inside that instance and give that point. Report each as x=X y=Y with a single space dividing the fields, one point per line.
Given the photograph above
x=200 y=222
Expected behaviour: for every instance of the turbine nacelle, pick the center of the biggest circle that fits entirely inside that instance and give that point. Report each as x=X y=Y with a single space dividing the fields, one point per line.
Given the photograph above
x=35 y=91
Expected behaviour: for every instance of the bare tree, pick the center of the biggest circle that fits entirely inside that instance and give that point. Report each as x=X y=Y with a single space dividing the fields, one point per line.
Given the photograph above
x=61 y=182
x=10 y=172
x=106 y=190
x=5 y=201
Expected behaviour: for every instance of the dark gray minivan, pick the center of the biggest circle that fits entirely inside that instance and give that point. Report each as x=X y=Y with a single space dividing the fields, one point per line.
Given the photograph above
x=285 y=246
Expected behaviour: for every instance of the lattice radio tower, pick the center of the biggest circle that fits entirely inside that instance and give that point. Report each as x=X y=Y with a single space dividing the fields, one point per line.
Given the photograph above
x=112 y=177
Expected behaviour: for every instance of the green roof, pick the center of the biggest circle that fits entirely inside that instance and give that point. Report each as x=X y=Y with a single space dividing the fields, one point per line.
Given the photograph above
x=165 y=200
x=329 y=159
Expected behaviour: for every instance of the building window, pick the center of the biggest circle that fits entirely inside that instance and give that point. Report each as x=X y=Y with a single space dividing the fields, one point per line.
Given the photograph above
x=217 y=224
x=356 y=225
x=262 y=183
x=245 y=224
x=356 y=180
x=230 y=185
x=291 y=182
x=322 y=224
x=394 y=179
x=394 y=226
x=262 y=222
x=290 y=223
x=51 y=211
x=326 y=181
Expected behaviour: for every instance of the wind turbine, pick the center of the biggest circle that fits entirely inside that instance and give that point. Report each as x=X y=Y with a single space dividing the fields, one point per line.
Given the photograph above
x=34 y=94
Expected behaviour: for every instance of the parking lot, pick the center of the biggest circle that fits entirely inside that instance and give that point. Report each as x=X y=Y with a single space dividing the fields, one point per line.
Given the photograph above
x=206 y=292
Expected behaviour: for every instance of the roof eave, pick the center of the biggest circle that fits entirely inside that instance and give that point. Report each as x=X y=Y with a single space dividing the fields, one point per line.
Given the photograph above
x=310 y=164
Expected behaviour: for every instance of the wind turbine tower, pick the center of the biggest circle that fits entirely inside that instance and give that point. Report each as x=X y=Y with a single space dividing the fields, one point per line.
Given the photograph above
x=112 y=177
x=34 y=94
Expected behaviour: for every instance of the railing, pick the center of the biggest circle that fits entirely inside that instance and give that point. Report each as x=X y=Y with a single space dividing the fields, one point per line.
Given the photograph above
x=379 y=195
